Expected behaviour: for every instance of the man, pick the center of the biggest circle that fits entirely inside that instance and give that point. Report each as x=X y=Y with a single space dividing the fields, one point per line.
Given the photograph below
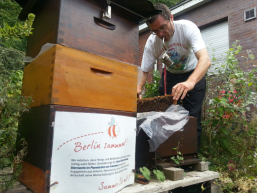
x=185 y=47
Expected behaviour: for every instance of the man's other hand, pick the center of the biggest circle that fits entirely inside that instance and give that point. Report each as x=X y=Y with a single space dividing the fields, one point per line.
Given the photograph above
x=180 y=90
x=139 y=92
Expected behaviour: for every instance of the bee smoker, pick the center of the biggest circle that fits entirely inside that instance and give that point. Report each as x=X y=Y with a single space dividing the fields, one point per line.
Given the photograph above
x=165 y=57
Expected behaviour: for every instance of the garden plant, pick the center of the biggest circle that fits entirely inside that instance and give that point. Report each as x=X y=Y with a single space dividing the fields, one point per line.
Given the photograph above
x=229 y=136
x=151 y=89
x=12 y=104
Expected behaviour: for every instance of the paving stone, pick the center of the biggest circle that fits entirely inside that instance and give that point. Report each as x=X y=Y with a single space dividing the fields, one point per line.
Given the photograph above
x=216 y=189
x=173 y=174
x=201 y=166
x=212 y=187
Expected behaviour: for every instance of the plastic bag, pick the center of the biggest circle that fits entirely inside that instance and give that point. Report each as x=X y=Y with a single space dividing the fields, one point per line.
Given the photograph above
x=159 y=126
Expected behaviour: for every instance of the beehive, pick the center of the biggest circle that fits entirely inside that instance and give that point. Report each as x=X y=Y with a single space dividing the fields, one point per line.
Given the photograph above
x=158 y=104
x=185 y=140
x=65 y=76
x=90 y=70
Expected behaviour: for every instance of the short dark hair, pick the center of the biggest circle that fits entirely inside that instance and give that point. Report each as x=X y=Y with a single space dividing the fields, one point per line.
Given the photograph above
x=165 y=13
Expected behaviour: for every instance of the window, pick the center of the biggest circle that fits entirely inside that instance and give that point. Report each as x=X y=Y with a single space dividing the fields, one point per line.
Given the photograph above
x=250 y=14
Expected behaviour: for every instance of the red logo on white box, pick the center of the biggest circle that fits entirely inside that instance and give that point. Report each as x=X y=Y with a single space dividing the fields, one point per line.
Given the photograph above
x=114 y=129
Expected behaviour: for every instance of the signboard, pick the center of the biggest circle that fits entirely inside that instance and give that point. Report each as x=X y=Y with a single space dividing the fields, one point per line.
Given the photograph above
x=92 y=152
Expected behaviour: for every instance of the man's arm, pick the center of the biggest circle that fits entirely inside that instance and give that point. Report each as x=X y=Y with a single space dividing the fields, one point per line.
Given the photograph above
x=141 y=84
x=202 y=66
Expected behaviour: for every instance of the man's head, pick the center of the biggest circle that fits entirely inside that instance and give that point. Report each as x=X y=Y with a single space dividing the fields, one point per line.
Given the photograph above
x=161 y=24
x=165 y=13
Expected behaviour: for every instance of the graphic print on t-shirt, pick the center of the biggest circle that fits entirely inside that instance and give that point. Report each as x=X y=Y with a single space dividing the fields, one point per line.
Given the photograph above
x=180 y=61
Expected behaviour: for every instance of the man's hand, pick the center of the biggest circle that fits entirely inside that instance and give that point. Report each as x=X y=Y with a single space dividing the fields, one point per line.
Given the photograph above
x=139 y=91
x=141 y=85
x=181 y=89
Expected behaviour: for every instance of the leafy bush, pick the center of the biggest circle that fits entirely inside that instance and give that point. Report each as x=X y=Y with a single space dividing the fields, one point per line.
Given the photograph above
x=12 y=104
x=151 y=89
x=11 y=34
x=229 y=136
x=10 y=59
x=9 y=11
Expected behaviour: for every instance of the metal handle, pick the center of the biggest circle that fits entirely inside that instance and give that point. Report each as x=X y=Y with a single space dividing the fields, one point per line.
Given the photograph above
x=53 y=184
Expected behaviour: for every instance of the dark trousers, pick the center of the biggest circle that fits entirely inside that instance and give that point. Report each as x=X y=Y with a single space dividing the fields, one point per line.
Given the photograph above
x=193 y=100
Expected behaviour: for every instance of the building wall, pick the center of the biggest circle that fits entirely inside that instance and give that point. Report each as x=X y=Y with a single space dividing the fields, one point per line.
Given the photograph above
x=231 y=10
x=142 y=41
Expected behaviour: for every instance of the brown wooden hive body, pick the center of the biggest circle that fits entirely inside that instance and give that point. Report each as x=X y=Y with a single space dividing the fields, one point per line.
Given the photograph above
x=36 y=128
x=186 y=140
x=65 y=76
x=71 y=23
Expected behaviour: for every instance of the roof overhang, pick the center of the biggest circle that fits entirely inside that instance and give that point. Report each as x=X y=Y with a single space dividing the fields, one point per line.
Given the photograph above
x=179 y=9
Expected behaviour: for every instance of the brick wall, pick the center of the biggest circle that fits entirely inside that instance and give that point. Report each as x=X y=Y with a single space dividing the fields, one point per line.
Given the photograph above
x=216 y=10
x=142 y=41
x=233 y=11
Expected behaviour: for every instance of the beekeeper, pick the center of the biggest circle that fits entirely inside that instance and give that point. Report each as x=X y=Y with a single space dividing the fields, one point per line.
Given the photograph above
x=179 y=45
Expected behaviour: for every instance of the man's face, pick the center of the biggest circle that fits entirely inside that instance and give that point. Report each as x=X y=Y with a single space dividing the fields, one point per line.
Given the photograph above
x=162 y=28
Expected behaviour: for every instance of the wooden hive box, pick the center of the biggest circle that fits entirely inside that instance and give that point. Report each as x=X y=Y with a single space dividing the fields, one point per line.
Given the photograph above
x=185 y=140
x=65 y=76
x=71 y=23
x=36 y=127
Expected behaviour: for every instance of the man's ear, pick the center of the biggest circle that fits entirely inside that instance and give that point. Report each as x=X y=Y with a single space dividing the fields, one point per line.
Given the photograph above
x=171 y=17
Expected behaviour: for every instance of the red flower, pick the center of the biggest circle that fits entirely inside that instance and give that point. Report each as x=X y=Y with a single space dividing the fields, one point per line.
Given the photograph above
x=231 y=165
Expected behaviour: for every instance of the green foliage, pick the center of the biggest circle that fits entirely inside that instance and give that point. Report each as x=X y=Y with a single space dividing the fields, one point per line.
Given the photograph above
x=7 y=181
x=179 y=157
x=145 y=172
x=9 y=11
x=151 y=89
x=148 y=175
x=10 y=59
x=159 y=175
x=12 y=104
x=245 y=184
x=229 y=136
x=9 y=34
x=169 y=3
